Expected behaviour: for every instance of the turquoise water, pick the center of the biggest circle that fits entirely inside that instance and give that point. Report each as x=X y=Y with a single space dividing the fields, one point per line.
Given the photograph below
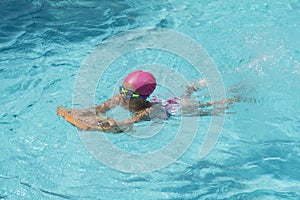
x=255 y=46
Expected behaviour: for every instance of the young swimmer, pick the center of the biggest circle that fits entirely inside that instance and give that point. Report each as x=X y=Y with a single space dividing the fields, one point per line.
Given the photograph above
x=138 y=86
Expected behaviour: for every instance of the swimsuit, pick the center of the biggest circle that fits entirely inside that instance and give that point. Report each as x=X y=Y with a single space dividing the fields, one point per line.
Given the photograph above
x=171 y=106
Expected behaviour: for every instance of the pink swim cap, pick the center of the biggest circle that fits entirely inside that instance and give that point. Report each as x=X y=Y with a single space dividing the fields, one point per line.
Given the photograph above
x=143 y=82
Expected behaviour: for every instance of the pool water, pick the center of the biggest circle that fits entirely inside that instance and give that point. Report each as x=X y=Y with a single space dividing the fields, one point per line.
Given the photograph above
x=254 y=45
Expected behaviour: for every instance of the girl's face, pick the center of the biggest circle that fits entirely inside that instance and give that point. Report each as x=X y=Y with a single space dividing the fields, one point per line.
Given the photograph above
x=130 y=101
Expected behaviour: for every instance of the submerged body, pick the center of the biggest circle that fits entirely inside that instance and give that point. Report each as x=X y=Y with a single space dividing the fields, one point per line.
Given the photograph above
x=133 y=94
x=157 y=108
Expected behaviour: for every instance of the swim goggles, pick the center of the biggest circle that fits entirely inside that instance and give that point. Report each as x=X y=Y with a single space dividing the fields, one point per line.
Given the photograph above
x=130 y=94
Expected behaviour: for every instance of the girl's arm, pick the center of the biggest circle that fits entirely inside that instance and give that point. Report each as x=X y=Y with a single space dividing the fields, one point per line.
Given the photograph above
x=109 y=104
x=136 y=118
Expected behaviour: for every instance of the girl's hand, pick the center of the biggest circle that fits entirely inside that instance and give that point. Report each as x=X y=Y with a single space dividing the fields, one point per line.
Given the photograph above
x=111 y=122
x=108 y=123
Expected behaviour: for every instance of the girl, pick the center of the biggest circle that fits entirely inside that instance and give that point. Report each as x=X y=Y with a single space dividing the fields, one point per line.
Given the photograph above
x=138 y=86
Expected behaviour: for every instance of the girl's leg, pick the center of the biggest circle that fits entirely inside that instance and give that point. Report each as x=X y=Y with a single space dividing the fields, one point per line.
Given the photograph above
x=194 y=87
